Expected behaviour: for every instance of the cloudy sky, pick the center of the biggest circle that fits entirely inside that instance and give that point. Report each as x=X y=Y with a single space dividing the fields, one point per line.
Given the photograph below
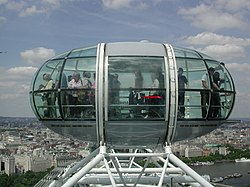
x=32 y=31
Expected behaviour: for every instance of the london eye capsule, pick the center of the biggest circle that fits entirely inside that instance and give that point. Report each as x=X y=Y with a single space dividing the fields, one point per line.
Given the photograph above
x=132 y=93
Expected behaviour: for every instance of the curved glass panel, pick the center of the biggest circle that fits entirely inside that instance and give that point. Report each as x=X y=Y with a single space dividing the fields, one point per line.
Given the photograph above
x=185 y=53
x=60 y=56
x=78 y=99
x=49 y=68
x=55 y=96
x=136 y=88
x=45 y=97
x=190 y=73
x=206 y=56
x=83 y=52
x=223 y=90
x=193 y=69
x=203 y=93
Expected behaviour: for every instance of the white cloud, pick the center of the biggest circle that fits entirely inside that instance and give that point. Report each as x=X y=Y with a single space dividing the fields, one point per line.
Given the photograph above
x=31 y=11
x=224 y=52
x=219 y=46
x=206 y=38
x=22 y=70
x=120 y=4
x=37 y=55
x=15 y=5
x=28 y=8
x=16 y=76
x=40 y=7
x=18 y=79
x=14 y=89
x=55 y=3
x=116 y=4
x=211 y=18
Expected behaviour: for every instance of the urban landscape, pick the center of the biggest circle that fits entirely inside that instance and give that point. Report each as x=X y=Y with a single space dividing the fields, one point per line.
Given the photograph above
x=26 y=145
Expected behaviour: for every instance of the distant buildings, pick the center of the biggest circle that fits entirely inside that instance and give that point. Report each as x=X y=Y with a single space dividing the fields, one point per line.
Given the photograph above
x=237 y=135
x=27 y=145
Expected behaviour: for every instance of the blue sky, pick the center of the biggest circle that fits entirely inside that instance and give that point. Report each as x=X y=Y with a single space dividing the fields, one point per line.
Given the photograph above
x=33 y=31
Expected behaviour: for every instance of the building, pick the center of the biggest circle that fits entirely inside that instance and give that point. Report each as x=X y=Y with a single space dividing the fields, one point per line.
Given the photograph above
x=7 y=164
x=193 y=152
x=223 y=151
x=33 y=163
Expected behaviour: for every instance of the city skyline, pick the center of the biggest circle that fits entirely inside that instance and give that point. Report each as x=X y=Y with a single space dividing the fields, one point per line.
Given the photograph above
x=31 y=32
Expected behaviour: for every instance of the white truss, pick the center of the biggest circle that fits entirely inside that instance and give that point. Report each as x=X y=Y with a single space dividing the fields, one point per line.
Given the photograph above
x=113 y=168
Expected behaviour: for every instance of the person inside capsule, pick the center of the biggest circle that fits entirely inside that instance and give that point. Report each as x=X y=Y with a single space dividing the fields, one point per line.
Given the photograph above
x=84 y=96
x=75 y=83
x=48 y=97
x=137 y=96
x=154 y=98
x=205 y=94
x=182 y=81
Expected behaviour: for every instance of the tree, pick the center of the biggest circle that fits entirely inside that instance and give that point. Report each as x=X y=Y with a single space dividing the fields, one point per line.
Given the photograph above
x=27 y=179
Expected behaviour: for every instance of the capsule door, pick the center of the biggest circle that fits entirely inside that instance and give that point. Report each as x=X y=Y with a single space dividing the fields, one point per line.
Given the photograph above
x=136 y=103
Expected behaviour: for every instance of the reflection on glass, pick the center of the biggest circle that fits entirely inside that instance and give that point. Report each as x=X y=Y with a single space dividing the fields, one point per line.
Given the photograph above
x=136 y=88
x=135 y=85
x=185 y=53
x=58 y=94
x=87 y=52
x=46 y=104
x=208 y=92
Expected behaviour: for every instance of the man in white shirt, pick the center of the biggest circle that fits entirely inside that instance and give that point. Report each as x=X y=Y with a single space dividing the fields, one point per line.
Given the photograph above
x=75 y=83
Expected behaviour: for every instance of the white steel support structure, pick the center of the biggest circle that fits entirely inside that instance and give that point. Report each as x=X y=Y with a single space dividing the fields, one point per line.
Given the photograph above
x=108 y=167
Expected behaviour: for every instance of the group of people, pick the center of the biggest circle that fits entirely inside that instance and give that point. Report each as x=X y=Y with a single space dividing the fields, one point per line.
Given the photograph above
x=81 y=93
x=214 y=101
x=215 y=110
x=156 y=95
x=157 y=83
